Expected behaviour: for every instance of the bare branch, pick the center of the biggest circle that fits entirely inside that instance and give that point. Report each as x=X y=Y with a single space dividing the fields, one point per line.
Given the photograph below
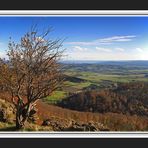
x=33 y=70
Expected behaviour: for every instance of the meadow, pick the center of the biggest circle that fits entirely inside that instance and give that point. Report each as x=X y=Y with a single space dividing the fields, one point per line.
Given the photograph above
x=99 y=76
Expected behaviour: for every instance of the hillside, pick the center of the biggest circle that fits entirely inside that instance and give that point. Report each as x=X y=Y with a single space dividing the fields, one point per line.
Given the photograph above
x=57 y=119
x=126 y=98
x=48 y=118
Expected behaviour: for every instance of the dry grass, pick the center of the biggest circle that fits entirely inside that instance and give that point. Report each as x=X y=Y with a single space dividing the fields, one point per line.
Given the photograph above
x=114 y=121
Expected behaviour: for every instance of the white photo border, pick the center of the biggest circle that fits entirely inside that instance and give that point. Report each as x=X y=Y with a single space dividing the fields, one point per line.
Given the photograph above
x=74 y=13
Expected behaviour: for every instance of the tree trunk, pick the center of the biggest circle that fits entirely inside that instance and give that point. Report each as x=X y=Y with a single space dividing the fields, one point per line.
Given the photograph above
x=21 y=120
x=22 y=112
x=22 y=116
x=19 y=124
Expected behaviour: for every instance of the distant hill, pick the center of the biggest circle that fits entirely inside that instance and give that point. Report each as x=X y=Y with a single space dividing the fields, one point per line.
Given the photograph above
x=107 y=67
x=121 y=62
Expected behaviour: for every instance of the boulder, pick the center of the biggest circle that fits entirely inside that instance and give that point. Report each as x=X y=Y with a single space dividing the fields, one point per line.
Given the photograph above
x=91 y=126
x=3 y=116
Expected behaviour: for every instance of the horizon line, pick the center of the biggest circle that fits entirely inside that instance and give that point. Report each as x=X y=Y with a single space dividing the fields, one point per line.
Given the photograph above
x=103 y=60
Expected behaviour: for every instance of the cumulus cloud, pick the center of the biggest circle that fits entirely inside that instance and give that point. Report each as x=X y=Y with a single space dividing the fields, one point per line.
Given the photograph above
x=103 y=56
x=107 y=40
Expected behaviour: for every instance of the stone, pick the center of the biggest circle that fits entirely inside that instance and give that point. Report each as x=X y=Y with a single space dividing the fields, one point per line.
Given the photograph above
x=3 y=115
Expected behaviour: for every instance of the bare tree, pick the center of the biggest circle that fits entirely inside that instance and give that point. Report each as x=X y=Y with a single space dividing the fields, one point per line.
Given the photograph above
x=32 y=71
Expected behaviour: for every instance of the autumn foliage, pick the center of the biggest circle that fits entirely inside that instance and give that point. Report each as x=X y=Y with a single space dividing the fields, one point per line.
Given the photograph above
x=127 y=98
x=32 y=71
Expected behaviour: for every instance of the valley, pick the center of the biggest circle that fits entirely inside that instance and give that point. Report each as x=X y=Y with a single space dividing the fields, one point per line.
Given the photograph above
x=93 y=97
x=99 y=75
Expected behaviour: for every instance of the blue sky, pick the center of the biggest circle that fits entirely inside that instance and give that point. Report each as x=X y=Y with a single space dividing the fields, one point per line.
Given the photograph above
x=87 y=38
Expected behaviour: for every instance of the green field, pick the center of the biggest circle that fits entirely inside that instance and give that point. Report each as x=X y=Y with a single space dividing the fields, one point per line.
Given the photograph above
x=99 y=76
x=56 y=96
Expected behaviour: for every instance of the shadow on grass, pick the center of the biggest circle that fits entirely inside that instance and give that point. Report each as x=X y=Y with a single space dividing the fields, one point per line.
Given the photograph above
x=12 y=128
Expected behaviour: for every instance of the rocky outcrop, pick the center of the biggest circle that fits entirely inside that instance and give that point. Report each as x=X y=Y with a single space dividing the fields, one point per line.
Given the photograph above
x=91 y=126
x=57 y=124
x=72 y=125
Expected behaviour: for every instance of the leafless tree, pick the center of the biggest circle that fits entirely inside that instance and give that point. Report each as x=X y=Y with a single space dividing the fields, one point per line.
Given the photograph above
x=32 y=71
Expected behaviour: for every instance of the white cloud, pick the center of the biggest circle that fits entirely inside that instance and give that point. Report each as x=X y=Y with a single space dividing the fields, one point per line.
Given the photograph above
x=103 y=49
x=119 y=49
x=101 y=53
x=103 y=56
x=139 y=49
x=109 y=50
x=81 y=43
x=110 y=53
x=107 y=40
x=78 y=48
x=117 y=39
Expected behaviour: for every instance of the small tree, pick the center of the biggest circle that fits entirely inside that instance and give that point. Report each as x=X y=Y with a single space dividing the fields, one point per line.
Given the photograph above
x=32 y=71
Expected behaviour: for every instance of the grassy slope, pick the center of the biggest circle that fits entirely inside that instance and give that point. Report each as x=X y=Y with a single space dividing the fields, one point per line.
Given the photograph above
x=114 y=121
x=28 y=127
x=56 y=95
